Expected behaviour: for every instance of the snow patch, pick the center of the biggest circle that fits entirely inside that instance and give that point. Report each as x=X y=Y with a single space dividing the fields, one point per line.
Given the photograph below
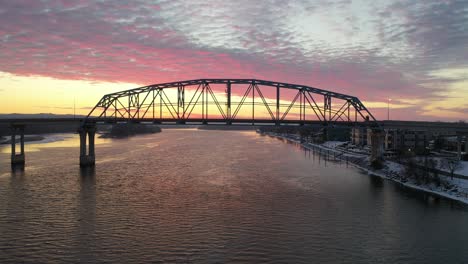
x=333 y=144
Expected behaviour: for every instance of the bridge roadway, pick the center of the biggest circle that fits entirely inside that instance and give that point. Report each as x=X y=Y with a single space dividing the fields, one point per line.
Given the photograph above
x=387 y=124
x=191 y=121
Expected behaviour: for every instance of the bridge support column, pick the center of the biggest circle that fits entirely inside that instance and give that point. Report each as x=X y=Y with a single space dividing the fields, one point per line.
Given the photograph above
x=17 y=159
x=87 y=159
x=377 y=144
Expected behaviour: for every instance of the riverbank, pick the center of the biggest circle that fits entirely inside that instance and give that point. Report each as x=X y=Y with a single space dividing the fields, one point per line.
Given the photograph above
x=27 y=138
x=455 y=189
x=38 y=139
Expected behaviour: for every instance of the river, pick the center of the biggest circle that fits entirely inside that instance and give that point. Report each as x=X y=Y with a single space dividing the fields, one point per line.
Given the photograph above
x=195 y=196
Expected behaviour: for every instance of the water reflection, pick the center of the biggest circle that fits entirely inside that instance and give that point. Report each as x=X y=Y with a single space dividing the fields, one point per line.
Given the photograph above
x=86 y=232
x=376 y=183
x=216 y=196
x=17 y=169
x=87 y=172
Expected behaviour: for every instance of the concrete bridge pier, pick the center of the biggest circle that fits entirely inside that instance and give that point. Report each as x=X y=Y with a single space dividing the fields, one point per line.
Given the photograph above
x=87 y=154
x=17 y=159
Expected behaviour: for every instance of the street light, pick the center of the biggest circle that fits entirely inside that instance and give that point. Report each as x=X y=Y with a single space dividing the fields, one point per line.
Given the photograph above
x=388 y=108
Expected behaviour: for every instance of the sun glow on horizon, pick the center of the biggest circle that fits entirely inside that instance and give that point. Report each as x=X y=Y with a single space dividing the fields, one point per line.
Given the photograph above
x=40 y=94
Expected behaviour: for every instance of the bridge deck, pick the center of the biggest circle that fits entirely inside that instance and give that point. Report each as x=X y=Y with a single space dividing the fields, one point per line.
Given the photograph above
x=191 y=121
x=415 y=125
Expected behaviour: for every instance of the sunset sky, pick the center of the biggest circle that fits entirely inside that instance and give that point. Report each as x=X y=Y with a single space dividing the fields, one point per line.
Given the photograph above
x=55 y=53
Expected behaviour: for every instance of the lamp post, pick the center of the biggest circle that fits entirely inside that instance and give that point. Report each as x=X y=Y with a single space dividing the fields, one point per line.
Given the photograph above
x=388 y=108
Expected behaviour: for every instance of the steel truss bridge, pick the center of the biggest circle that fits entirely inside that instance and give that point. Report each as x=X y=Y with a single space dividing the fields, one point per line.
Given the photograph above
x=230 y=101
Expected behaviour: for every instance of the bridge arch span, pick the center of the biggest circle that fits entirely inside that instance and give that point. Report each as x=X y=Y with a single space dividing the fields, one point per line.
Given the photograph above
x=231 y=101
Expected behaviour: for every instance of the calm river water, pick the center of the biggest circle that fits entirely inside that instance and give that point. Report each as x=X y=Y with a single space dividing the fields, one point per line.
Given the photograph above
x=193 y=196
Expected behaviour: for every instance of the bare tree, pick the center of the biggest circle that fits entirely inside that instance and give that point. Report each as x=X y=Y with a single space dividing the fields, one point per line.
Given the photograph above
x=431 y=167
x=410 y=168
x=452 y=164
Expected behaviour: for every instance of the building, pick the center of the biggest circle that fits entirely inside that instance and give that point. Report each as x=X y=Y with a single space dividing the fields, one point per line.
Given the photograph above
x=359 y=136
x=391 y=139
x=407 y=140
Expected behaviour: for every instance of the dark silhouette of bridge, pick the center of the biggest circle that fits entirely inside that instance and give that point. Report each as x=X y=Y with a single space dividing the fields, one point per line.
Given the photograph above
x=214 y=101
x=221 y=101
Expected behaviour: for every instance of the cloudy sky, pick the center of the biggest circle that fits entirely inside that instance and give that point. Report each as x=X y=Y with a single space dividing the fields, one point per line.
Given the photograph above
x=55 y=52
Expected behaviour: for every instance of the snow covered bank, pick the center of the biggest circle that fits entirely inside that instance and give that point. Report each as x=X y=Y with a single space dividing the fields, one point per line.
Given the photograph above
x=455 y=189
x=463 y=170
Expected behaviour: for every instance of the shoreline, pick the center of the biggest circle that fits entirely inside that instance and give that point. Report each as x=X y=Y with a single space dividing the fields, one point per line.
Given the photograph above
x=38 y=139
x=27 y=139
x=381 y=174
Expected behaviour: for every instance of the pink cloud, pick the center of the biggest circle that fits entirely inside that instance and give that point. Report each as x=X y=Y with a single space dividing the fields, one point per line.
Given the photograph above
x=142 y=43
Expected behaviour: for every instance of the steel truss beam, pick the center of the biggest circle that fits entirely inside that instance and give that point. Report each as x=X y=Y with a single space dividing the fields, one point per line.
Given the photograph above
x=141 y=103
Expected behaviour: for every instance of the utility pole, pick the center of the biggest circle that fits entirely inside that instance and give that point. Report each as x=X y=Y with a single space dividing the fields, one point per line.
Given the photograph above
x=388 y=108
x=74 y=108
